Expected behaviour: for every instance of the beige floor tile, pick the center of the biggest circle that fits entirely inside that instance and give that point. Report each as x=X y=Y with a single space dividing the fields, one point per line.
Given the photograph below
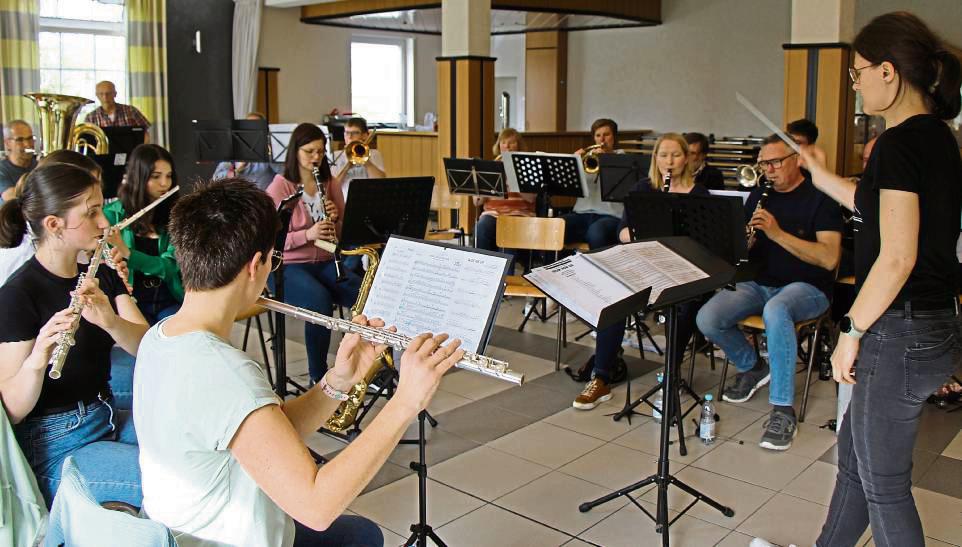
x=749 y=463
x=532 y=366
x=492 y=525
x=472 y=386
x=940 y=515
x=734 y=419
x=390 y=538
x=546 y=444
x=554 y=499
x=596 y=422
x=487 y=473
x=820 y=410
x=323 y=444
x=630 y=527
x=395 y=506
x=444 y=401
x=785 y=520
x=735 y=539
x=613 y=467
x=954 y=450
x=929 y=542
x=647 y=439
x=814 y=484
x=743 y=497
x=810 y=442
x=576 y=543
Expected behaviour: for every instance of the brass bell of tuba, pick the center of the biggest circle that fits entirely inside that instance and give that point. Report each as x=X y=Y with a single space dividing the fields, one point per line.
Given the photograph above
x=748 y=175
x=58 y=127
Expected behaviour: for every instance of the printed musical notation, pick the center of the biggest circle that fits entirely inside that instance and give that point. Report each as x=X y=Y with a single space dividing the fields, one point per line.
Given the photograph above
x=421 y=287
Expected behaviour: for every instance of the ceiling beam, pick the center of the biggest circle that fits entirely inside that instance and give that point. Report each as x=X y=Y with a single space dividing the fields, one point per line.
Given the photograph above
x=645 y=11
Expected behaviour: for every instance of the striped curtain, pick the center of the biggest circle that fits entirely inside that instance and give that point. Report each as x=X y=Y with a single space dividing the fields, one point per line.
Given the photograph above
x=147 y=63
x=19 y=58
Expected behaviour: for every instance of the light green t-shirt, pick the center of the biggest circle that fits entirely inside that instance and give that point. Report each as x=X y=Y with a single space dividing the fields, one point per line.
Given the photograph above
x=592 y=203
x=191 y=393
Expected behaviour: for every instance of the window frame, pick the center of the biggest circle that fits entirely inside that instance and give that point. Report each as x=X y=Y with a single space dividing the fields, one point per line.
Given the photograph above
x=407 y=72
x=61 y=25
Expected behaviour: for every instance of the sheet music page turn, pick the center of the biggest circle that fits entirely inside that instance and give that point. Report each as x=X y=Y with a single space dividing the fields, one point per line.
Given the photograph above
x=420 y=287
x=587 y=289
x=647 y=263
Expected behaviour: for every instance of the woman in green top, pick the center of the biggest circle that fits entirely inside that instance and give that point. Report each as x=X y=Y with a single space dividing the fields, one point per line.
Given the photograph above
x=145 y=245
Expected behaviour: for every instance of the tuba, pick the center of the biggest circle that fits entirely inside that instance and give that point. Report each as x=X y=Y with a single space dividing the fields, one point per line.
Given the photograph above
x=58 y=127
x=346 y=413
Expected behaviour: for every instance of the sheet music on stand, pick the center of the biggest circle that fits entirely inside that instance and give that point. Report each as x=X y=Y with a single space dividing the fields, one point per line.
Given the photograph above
x=552 y=174
x=601 y=285
x=475 y=177
x=426 y=286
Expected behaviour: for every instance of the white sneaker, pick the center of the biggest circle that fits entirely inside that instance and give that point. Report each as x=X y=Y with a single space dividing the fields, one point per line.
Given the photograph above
x=759 y=542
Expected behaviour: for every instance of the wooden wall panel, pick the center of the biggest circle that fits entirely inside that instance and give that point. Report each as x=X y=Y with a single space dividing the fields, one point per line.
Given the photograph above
x=796 y=74
x=546 y=74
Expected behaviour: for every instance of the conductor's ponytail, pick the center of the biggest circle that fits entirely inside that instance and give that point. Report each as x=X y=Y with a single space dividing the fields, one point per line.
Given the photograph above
x=944 y=92
x=13 y=226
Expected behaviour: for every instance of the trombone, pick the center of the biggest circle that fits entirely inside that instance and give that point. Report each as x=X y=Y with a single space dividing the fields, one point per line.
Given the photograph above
x=358 y=153
x=590 y=159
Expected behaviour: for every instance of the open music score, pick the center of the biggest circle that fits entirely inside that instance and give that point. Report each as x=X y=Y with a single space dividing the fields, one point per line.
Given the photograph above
x=430 y=287
x=589 y=283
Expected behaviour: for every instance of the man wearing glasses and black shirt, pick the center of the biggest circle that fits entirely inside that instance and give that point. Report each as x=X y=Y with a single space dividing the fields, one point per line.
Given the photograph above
x=17 y=139
x=796 y=248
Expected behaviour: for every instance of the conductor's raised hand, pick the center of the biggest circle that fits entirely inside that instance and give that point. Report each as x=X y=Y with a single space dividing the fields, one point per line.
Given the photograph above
x=355 y=356
x=423 y=365
x=813 y=157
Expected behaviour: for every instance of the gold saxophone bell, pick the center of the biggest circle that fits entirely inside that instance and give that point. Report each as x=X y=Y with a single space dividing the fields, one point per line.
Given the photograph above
x=58 y=128
x=359 y=152
x=590 y=159
x=346 y=414
x=748 y=175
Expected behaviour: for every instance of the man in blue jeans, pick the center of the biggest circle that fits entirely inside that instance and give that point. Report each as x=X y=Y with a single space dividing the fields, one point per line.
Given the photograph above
x=796 y=247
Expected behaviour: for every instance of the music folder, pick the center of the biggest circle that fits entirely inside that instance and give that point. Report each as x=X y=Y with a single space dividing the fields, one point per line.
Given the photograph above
x=605 y=286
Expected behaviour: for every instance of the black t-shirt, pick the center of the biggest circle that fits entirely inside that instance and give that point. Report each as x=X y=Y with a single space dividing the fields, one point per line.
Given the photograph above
x=802 y=212
x=711 y=178
x=921 y=156
x=29 y=299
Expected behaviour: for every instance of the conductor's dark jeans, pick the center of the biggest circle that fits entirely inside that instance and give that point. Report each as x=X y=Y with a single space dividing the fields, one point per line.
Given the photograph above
x=345 y=531
x=901 y=361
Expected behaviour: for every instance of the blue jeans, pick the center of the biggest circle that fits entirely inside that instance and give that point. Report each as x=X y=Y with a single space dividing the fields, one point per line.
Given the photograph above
x=781 y=308
x=312 y=286
x=103 y=445
x=345 y=531
x=596 y=230
x=900 y=363
x=122 y=378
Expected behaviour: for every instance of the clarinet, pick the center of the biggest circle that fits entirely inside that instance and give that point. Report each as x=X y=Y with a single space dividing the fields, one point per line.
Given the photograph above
x=329 y=246
x=750 y=234
x=667 y=182
x=66 y=338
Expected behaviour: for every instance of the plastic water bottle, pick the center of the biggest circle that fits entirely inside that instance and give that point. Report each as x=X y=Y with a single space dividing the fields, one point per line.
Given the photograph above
x=706 y=427
x=659 y=400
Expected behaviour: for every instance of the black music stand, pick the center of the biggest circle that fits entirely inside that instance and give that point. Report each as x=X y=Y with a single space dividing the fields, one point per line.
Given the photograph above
x=379 y=208
x=231 y=140
x=720 y=273
x=619 y=173
x=475 y=177
x=717 y=223
x=121 y=141
x=545 y=175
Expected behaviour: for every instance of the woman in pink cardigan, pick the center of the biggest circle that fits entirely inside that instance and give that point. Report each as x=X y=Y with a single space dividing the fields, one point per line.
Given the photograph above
x=309 y=273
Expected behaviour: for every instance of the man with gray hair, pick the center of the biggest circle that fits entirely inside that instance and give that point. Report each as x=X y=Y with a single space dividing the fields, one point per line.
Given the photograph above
x=17 y=140
x=113 y=114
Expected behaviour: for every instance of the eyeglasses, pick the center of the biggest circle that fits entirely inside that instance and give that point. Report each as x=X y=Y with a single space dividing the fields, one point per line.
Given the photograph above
x=354 y=133
x=774 y=163
x=856 y=73
x=22 y=140
x=312 y=152
x=277 y=258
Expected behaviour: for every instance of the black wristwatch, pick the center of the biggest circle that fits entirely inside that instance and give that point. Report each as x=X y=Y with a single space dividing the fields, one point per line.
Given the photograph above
x=847 y=326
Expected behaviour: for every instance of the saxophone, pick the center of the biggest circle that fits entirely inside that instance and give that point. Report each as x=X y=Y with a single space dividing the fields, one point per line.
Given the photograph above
x=346 y=413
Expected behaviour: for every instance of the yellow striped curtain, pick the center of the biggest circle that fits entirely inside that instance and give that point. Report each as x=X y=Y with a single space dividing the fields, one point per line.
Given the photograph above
x=19 y=58
x=147 y=63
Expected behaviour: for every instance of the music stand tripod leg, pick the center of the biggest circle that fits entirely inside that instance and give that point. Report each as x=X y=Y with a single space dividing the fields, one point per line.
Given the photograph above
x=663 y=478
x=421 y=530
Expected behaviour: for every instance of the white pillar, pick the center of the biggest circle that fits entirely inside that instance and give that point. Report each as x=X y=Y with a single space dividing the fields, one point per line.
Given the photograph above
x=465 y=28
x=823 y=21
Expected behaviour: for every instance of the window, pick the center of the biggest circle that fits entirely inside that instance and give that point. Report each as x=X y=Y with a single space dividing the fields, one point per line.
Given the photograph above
x=382 y=79
x=81 y=43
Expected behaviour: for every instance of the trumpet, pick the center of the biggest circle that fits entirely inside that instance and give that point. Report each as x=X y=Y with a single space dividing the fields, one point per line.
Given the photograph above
x=329 y=246
x=358 y=153
x=590 y=159
x=472 y=362
x=748 y=175
x=66 y=340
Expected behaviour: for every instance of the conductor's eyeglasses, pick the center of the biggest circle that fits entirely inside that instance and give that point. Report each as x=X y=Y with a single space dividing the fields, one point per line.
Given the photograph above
x=774 y=163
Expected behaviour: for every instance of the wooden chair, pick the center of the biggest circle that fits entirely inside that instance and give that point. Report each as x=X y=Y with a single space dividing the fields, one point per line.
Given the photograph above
x=810 y=330
x=532 y=234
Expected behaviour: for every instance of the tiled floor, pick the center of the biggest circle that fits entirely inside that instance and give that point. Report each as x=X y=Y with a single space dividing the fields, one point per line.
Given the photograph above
x=509 y=466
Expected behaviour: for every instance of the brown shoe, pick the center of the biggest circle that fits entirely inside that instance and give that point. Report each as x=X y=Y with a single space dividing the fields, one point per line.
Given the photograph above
x=595 y=393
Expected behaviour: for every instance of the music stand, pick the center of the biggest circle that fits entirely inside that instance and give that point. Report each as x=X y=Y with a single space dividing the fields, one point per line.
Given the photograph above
x=379 y=208
x=231 y=140
x=475 y=177
x=720 y=273
x=121 y=141
x=545 y=175
x=618 y=174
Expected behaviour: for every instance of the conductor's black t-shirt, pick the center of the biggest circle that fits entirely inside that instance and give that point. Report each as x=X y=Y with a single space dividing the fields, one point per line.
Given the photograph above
x=921 y=156
x=803 y=212
x=29 y=299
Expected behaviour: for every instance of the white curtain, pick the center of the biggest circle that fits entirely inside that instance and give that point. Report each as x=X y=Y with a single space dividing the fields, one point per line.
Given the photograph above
x=247 y=31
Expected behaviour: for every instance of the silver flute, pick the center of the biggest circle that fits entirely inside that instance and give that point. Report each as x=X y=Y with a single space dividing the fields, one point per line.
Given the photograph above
x=132 y=219
x=66 y=338
x=471 y=361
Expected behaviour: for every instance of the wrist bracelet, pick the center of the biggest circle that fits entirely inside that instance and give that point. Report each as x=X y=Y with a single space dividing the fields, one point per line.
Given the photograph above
x=331 y=392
